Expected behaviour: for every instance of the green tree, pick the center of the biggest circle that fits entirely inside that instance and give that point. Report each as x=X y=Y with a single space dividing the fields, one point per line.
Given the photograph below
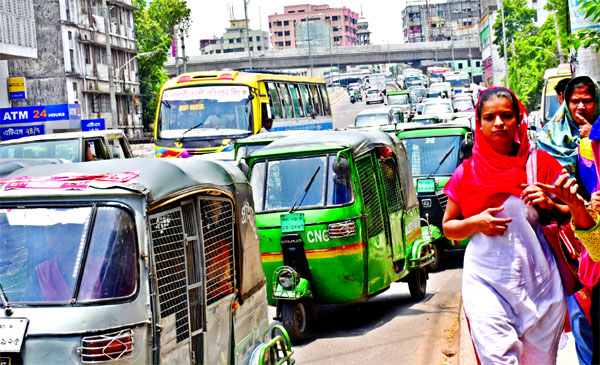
x=517 y=16
x=588 y=37
x=529 y=57
x=154 y=23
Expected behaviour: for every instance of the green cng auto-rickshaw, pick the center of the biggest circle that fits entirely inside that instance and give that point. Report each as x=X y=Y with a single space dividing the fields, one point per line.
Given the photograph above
x=434 y=152
x=338 y=220
x=133 y=262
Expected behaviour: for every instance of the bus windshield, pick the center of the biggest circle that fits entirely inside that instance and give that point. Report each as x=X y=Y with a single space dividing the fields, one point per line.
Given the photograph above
x=425 y=154
x=69 y=253
x=458 y=82
x=209 y=110
x=285 y=181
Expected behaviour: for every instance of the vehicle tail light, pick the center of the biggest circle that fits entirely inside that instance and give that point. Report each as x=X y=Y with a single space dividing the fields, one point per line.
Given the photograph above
x=226 y=77
x=183 y=79
x=339 y=230
x=385 y=152
x=106 y=347
x=381 y=94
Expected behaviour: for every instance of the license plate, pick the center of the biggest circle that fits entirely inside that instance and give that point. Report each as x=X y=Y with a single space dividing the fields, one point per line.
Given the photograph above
x=12 y=332
x=293 y=222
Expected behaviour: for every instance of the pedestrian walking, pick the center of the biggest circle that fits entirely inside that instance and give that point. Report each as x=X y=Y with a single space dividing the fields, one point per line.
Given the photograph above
x=512 y=292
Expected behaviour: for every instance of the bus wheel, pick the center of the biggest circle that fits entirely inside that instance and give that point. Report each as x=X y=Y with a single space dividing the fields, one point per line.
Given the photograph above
x=437 y=257
x=417 y=283
x=295 y=317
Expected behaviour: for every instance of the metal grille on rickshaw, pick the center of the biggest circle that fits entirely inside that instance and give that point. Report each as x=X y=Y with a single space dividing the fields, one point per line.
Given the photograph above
x=217 y=235
x=371 y=198
x=391 y=185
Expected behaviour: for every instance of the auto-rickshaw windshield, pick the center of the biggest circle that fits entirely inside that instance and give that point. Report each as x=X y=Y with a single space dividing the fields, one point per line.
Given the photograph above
x=369 y=120
x=47 y=251
x=215 y=107
x=425 y=154
x=285 y=180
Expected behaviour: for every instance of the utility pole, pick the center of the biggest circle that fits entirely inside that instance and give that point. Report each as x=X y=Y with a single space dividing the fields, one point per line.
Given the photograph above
x=558 y=45
x=504 y=41
x=247 y=36
x=176 y=49
x=309 y=50
x=183 y=52
x=111 y=69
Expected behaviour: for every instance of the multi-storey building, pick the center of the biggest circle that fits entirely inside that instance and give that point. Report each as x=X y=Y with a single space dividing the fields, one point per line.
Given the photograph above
x=438 y=20
x=235 y=40
x=343 y=22
x=17 y=38
x=72 y=66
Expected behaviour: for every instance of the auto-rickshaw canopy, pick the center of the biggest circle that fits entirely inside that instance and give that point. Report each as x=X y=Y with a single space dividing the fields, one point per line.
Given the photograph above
x=159 y=181
x=358 y=142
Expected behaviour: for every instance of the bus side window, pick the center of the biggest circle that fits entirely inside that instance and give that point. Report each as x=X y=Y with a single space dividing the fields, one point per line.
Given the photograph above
x=316 y=100
x=274 y=101
x=285 y=100
x=306 y=99
x=296 y=100
x=325 y=99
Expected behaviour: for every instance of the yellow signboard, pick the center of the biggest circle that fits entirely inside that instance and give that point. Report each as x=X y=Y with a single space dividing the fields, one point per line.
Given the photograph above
x=16 y=88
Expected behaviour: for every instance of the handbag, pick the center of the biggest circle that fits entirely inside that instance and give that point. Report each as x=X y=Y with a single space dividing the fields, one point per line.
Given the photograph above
x=561 y=238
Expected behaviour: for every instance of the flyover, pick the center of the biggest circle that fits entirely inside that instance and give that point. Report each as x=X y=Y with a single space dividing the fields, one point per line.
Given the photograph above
x=301 y=58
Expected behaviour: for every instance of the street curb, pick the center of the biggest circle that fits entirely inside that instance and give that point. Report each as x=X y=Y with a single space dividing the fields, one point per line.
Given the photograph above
x=337 y=95
x=466 y=352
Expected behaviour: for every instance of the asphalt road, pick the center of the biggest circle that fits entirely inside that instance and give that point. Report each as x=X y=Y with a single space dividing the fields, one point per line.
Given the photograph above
x=344 y=111
x=390 y=328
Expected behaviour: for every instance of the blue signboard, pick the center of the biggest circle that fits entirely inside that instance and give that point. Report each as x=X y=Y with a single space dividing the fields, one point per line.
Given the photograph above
x=93 y=124
x=41 y=113
x=17 y=95
x=18 y=132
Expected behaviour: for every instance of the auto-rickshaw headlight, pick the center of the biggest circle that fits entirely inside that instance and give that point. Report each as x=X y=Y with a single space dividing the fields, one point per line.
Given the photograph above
x=287 y=278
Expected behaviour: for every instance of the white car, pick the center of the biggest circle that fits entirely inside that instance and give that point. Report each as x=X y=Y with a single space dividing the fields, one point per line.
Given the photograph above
x=441 y=108
x=373 y=96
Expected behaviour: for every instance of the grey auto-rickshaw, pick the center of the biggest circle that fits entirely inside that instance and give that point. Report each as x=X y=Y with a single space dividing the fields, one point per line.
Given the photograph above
x=133 y=261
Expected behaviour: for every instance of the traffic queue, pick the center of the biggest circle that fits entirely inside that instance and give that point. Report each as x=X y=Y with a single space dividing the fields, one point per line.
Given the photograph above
x=175 y=260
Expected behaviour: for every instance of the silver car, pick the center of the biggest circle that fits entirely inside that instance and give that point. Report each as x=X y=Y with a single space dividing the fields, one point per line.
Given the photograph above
x=374 y=96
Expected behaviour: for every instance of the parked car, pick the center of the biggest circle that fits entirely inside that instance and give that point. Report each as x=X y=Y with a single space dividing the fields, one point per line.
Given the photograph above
x=72 y=146
x=374 y=96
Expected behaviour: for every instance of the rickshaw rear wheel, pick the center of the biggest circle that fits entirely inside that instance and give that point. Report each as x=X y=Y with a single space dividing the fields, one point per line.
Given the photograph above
x=295 y=315
x=417 y=283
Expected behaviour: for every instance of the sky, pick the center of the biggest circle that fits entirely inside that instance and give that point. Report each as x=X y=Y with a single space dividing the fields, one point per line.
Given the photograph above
x=210 y=18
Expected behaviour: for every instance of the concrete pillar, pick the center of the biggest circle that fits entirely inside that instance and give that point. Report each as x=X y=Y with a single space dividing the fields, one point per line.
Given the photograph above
x=589 y=63
x=4 y=101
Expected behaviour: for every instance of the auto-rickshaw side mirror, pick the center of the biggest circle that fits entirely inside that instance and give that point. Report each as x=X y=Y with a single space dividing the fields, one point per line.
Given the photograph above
x=466 y=147
x=341 y=165
x=243 y=165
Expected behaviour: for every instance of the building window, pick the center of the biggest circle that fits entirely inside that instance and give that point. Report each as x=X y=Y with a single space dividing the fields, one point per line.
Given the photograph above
x=249 y=39
x=460 y=65
x=70 y=35
x=87 y=54
x=75 y=87
x=258 y=38
x=286 y=22
x=72 y=59
x=230 y=41
x=259 y=48
x=477 y=64
x=335 y=18
x=238 y=40
x=278 y=23
x=287 y=32
x=288 y=43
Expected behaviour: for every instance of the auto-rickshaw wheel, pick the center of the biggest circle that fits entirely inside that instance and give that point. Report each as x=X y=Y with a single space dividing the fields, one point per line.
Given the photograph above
x=437 y=257
x=295 y=315
x=417 y=283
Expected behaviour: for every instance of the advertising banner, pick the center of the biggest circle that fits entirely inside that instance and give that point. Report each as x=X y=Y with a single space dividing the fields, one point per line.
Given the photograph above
x=41 y=113
x=578 y=19
x=16 y=88
x=18 y=132
x=93 y=125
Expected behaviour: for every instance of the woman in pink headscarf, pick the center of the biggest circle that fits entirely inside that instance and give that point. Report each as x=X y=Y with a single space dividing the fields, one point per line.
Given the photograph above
x=512 y=292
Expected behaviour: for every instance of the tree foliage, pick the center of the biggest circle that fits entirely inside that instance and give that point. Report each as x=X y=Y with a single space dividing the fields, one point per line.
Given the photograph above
x=517 y=16
x=530 y=55
x=154 y=23
x=588 y=37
